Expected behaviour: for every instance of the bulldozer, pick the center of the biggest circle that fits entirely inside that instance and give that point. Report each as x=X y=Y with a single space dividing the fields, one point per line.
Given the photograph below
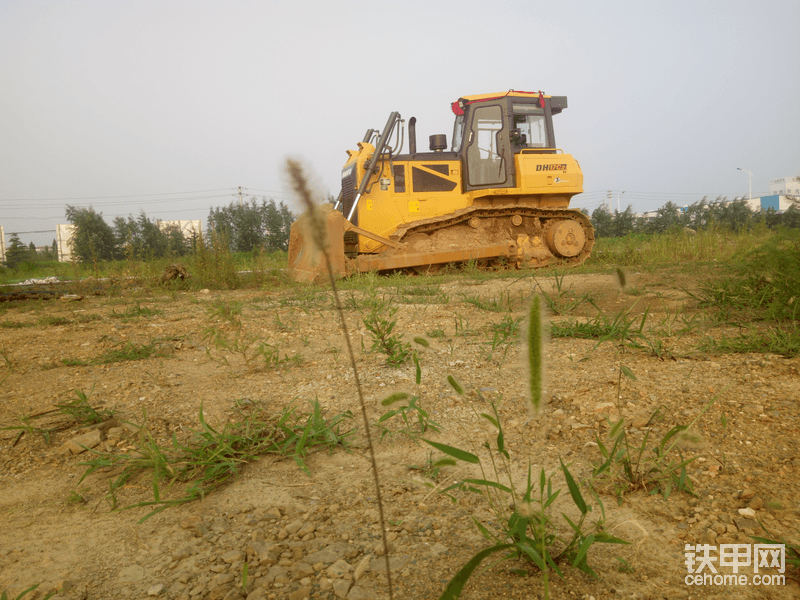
x=497 y=197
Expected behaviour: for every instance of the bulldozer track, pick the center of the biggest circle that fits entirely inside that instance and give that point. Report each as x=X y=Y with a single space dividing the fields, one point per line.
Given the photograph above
x=543 y=220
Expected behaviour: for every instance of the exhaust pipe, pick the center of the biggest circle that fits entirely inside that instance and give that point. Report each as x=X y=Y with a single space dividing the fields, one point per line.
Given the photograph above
x=412 y=135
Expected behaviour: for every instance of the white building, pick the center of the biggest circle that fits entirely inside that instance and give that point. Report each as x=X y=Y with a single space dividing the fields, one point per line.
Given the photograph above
x=189 y=229
x=64 y=235
x=2 y=245
x=786 y=186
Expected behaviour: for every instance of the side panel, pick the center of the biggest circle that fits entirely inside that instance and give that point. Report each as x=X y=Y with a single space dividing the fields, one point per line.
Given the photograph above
x=540 y=173
x=409 y=191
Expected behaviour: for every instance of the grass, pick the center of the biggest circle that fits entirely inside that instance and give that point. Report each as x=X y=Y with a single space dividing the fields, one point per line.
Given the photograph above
x=212 y=456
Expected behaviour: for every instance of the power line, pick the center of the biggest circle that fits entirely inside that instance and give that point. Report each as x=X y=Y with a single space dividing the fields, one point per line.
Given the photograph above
x=123 y=196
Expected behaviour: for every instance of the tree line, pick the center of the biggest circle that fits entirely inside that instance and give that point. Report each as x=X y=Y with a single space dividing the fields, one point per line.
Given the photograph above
x=236 y=228
x=17 y=252
x=733 y=216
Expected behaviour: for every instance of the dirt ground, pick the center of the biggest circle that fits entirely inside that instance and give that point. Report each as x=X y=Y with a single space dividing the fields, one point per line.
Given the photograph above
x=60 y=532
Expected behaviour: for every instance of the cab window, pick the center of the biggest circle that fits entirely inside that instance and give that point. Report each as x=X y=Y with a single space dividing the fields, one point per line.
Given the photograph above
x=528 y=129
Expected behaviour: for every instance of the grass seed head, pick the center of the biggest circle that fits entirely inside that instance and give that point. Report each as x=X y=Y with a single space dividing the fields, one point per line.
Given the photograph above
x=534 y=357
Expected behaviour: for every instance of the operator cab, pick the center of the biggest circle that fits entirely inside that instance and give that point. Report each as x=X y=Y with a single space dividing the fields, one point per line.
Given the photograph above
x=490 y=129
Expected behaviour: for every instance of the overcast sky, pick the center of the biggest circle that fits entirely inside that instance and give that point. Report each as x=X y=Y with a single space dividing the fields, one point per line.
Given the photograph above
x=168 y=107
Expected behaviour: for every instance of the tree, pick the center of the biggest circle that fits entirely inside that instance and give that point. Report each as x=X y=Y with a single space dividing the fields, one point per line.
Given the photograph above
x=16 y=253
x=93 y=239
x=735 y=216
x=624 y=222
x=603 y=222
x=667 y=217
x=252 y=226
x=139 y=238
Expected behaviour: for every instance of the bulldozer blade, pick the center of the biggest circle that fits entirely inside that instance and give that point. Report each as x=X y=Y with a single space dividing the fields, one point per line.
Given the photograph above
x=400 y=261
x=306 y=259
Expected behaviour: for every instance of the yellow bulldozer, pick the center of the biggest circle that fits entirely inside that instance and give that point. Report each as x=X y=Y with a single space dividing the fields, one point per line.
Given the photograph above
x=498 y=196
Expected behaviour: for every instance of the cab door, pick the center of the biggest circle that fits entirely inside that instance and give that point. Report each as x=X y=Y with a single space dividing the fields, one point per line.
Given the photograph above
x=489 y=157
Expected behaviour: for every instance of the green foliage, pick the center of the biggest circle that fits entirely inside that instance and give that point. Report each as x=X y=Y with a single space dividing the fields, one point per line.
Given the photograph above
x=431 y=468
x=231 y=337
x=248 y=227
x=407 y=412
x=792 y=550
x=627 y=466
x=81 y=411
x=734 y=216
x=93 y=240
x=16 y=252
x=766 y=284
x=522 y=527
x=211 y=457
x=22 y=594
x=142 y=239
x=380 y=325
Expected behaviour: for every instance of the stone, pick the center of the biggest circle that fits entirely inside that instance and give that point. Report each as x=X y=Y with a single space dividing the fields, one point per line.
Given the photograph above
x=218 y=592
x=332 y=553
x=301 y=569
x=155 y=590
x=233 y=556
x=709 y=537
x=131 y=574
x=362 y=568
x=358 y=592
x=396 y=562
x=338 y=569
x=341 y=587
x=294 y=526
x=81 y=443
x=300 y=593
x=756 y=503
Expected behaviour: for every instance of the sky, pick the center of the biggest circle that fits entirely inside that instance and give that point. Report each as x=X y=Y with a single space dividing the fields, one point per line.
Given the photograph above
x=167 y=107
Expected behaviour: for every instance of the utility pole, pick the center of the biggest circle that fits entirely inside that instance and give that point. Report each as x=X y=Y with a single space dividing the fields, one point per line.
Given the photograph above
x=618 y=197
x=240 y=195
x=608 y=200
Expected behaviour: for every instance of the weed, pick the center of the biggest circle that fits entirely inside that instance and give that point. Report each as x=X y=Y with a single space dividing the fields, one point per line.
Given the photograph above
x=408 y=412
x=502 y=304
x=563 y=301
x=792 y=550
x=522 y=528
x=776 y=339
x=22 y=594
x=54 y=321
x=14 y=325
x=381 y=327
x=430 y=468
x=231 y=337
x=211 y=457
x=436 y=334
x=26 y=426
x=136 y=312
x=627 y=466
x=80 y=411
x=7 y=362
x=76 y=497
x=129 y=351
